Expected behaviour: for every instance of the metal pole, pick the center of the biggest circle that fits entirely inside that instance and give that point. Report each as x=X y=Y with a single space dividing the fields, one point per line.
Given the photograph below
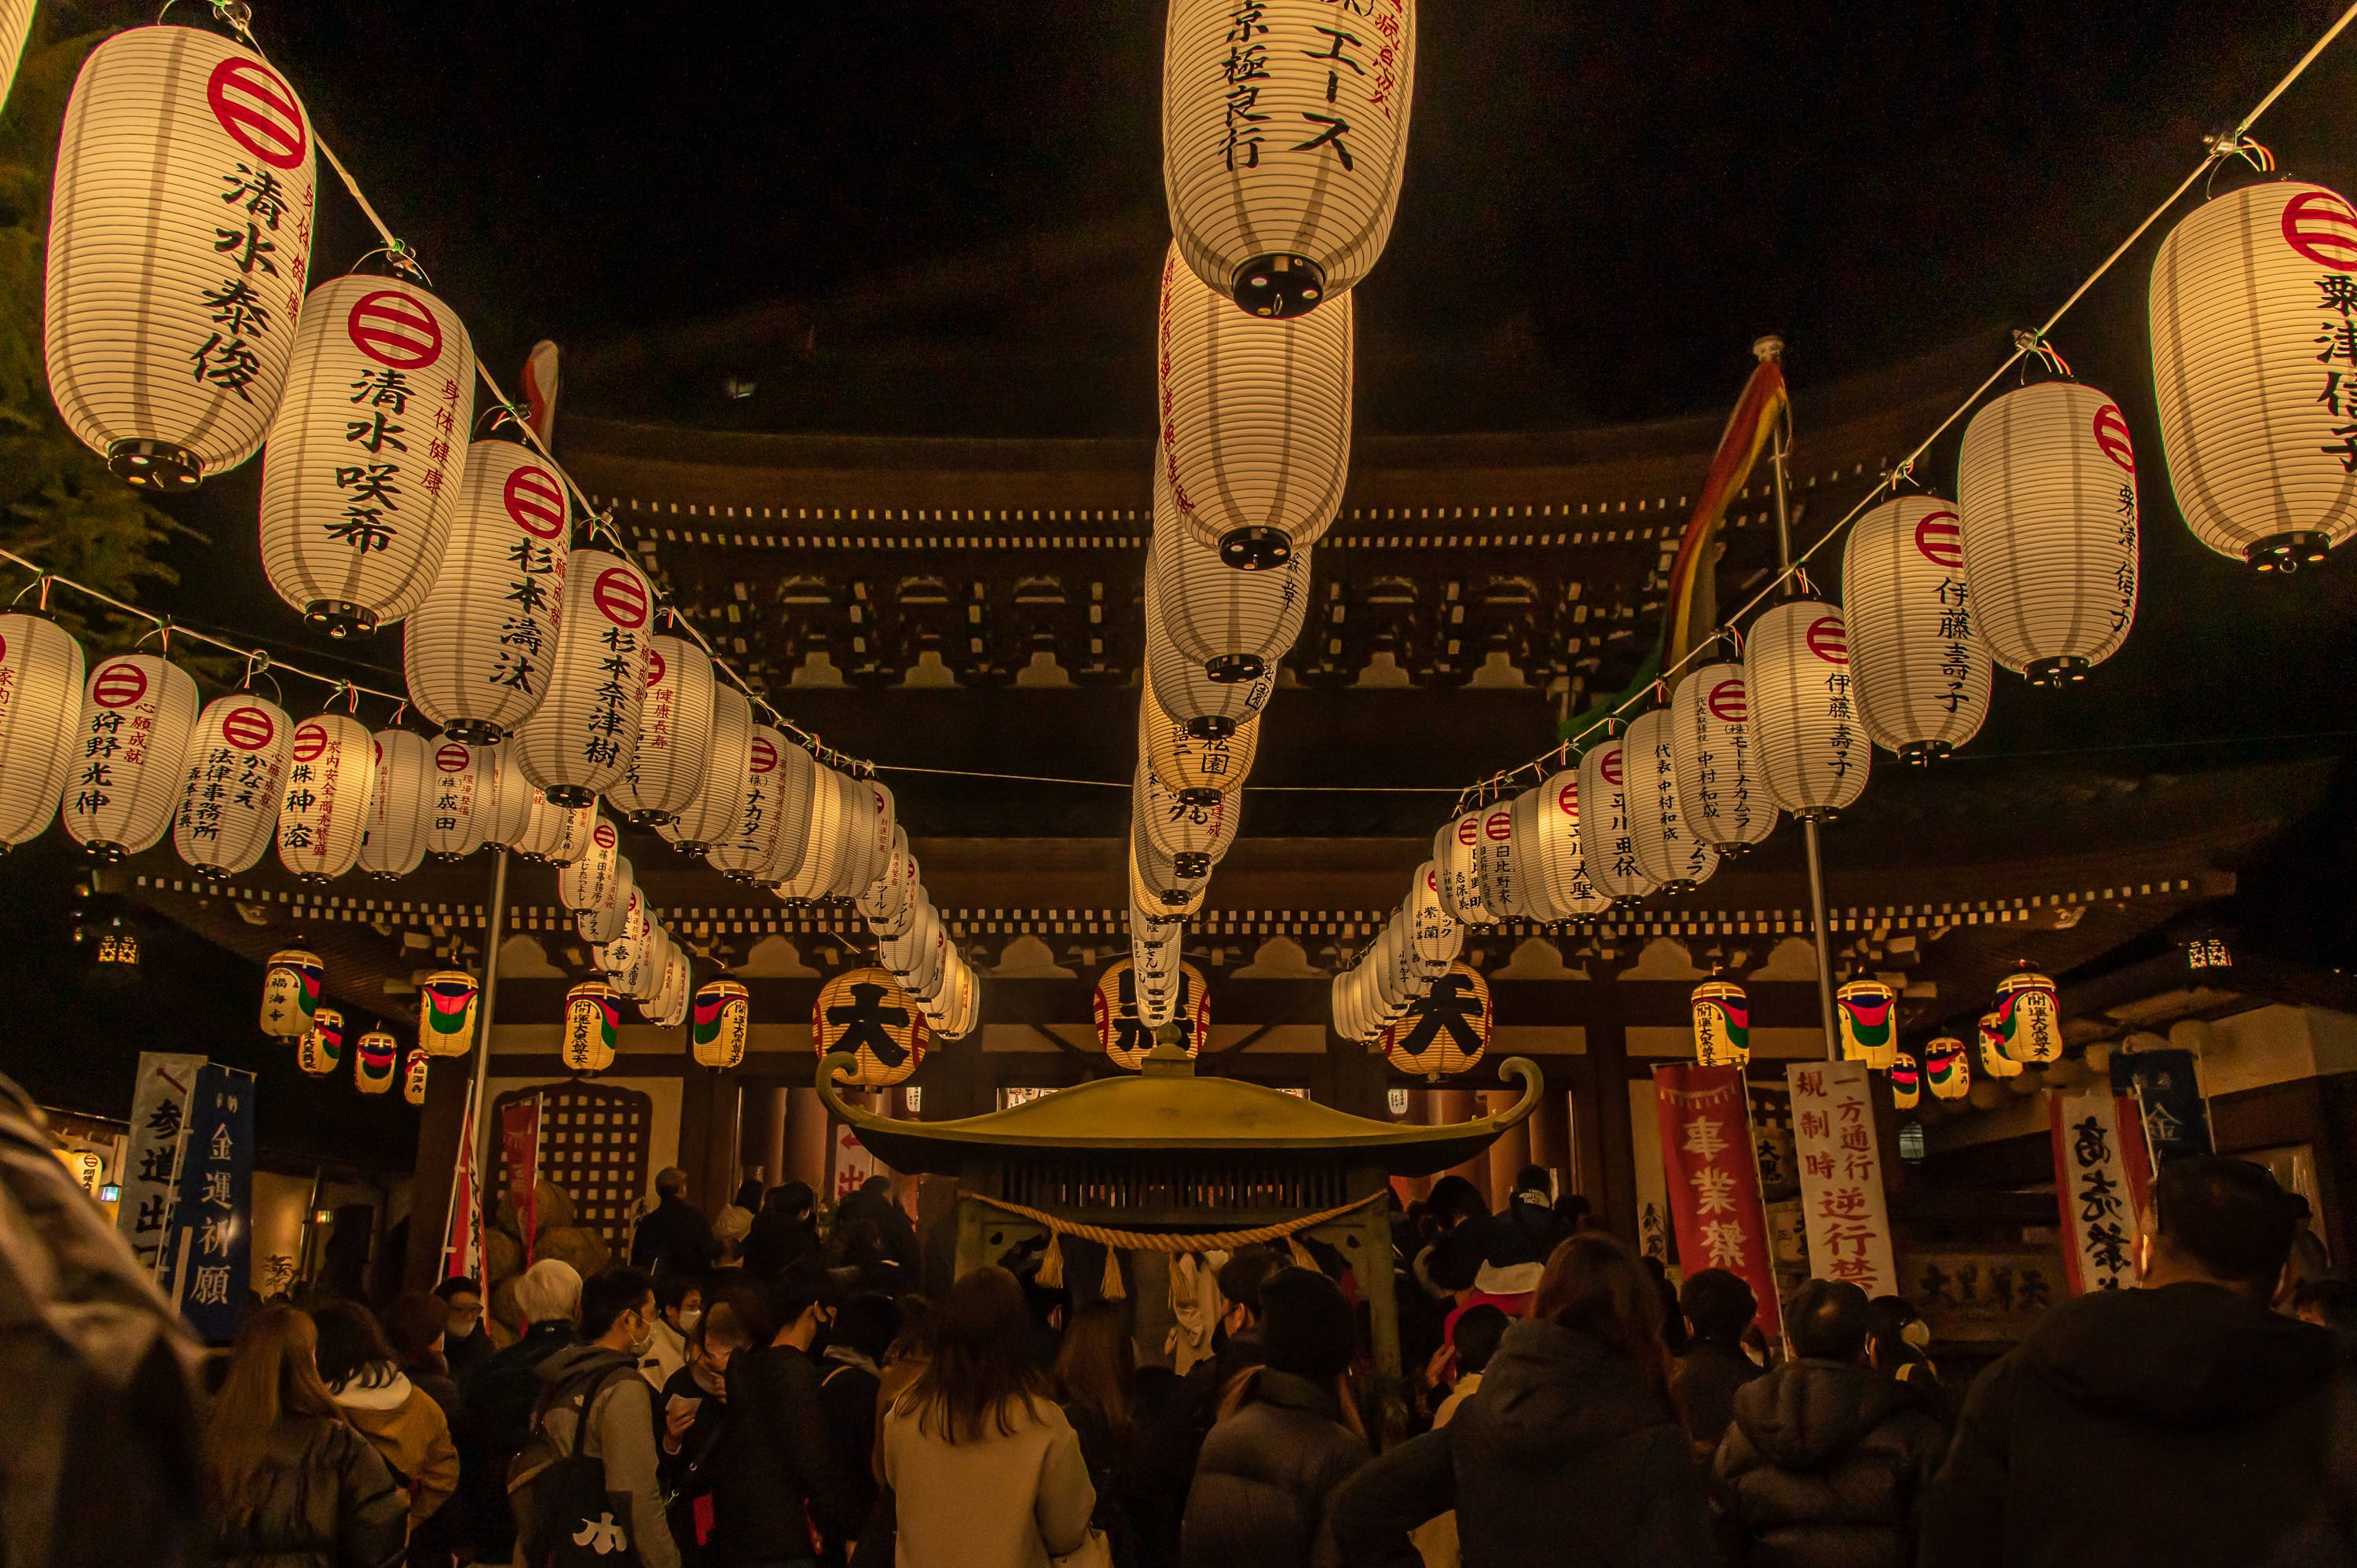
x=492 y=928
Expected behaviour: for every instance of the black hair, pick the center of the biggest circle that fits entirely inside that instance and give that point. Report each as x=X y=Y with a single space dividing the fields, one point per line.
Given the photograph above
x=806 y=1282
x=353 y=1348
x=1535 y=1178
x=458 y=1284
x=869 y=1324
x=671 y=1291
x=605 y=1296
x=2229 y=1216
x=1718 y=1303
x=1479 y=1329
x=1828 y=1320
x=673 y=1180
x=1454 y=1195
x=1245 y=1272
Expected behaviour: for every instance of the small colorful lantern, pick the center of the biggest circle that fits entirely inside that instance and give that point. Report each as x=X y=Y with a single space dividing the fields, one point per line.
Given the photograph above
x=446 y=1016
x=412 y=1077
x=1722 y=1024
x=321 y=1049
x=1994 y=1063
x=722 y=1017
x=864 y=1013
x=290 y=992
x=375 y=1056
x=1444 y=1031
x=1122 y=1036
x=593 y=1016
x=1869 y=1032
x=2029 y=1017
x=1947 y=1067
x=1906 y=1091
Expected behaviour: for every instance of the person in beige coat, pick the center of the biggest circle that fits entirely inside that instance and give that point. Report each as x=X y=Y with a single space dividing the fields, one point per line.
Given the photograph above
x=987 y=1471
x=405 y=1427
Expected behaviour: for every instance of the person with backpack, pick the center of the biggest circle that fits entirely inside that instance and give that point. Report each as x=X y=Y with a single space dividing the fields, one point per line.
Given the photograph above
x=401 y=1422
x=500 y=1396
x=583 y=1489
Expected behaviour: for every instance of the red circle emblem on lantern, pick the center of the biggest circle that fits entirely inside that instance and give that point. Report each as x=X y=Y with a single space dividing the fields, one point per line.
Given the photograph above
x=1466 y=828
x=1939 y=541
x=535 y=503
x=248 y=729
x=2112 y=435
x=765 y=753
x=604 y=835
x=1432 y=881
x=1498 y=824
x=1611 y=767
x=2320 y=226
x=258 y=110
x=1727 y=702
x=621 y=597
x=119 y=685
x=1566 y=799
x=310 y=740
x=655 y=668
x=395 y=329
x=452 y=758
x=1829 y=639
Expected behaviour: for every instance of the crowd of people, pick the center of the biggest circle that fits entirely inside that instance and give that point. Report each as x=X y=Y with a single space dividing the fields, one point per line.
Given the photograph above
x=768 y=1393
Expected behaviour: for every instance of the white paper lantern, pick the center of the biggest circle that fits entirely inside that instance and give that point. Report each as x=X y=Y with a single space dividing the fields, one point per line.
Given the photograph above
x=2046 y=494
x=124 y=778
x=1453 y=846
x=573 y=842
x=719 y=802
x=1563 y=862
x=40 y=702
x=615 y=951
x=1199 y=770
x=1283 y=136
x=868 y=837
x=885 y=906
x=1668 y=852
x=179 y=235
x=464 y=799
x=1719 y=790
x=1156 y=881
x=1187 y=834
x=1534 y=895
x=1233 y=626
x=835 y=808
x=668 y=1009
x=401 y=813
x=232 y=775
x=2255 y=361
x=1435 y=937
x=476 y=654
x=585 y=883
x=1211 y=706
x=1255 y=422
x=1607 y=833
x=1919 y=674
x=576 y=745
x=15 y=22
x=366 y=453
x=1811 y=751
x=666 y=770
x=330 y=789
x=1494 y=866
x=544 y=824
x=512 y=798
x=600 y=922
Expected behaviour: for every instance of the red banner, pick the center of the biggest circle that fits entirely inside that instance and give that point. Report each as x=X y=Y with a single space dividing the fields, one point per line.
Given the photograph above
x=520 y=1138
x=1713 y=1173
x=462 y=1236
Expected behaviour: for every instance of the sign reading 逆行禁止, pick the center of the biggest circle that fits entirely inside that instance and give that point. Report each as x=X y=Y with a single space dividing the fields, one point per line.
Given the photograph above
x=1842 y=1199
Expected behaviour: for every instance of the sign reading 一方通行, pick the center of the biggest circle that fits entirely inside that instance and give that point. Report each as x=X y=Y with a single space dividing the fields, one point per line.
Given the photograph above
x=1841 y=1198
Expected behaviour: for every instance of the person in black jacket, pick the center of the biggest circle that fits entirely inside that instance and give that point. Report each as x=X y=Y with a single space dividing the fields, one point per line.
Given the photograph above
x=1826 y=1462
x=2183 y=1421
x=1720 y=1308
x=1567 y=1456
x=895 y=1231
x=850 y=1378
x=775 y=1474
x=498 y=1397
x=694 y=1410
x=781 y=1233
x=674 y=1238
x=1288 y=1435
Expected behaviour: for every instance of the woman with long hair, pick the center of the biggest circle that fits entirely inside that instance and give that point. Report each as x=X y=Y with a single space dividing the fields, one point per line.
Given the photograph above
x=1571 y=1453
x=404 y=1425
x=1134 y=1433
x=288 y=1483
x=986 y=1470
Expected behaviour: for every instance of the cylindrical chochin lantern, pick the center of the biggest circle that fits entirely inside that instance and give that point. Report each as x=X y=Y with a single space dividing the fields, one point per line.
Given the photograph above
x=476 y=654
x=400 y=809
x=2254 y=363
x=290 y=992
x=1917 y=671
x=510 y=802
x=746 y=842
x=1812 y=752
x=588 y=882
x=331 y=786
x=1719 y=790
x=1906 y=1082
x=1570 y=890
x=1198 y=770
x=1870 y=1031
x=722 y=1018
x=2046 y=493
x=445 y=1013
x=366 y=453
x=1233 y=626
x=414 y=1075
x=576 y=745
x=1994 y=1063
x=179 y=235
x=1946 y=1069
x=1668 y=851
x=321 y=1049
x=1608 y=841
x=462 y=799
x=592 y=1015
x=865 y=1013
x=15 y=22
x=137 y=714
x=712 y=813
x=376 y=1059
x=2029 y=1017
x=41 y=674
x=1283 y=136
x=1722 y=1024
x=234 y=772
x=667 y=762
x=1211 y=707
x=1255 y=422
x=1444 y=1031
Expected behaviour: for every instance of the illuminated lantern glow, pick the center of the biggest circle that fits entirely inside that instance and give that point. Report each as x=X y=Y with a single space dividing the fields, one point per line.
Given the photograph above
x=865 y=1013
x=1812 y=752
x=2046 y=491
x=1197 y=769
x=1210 y=706
x=1282 y=146
x=1719 y=792
x=576 y=745
x=15 y=22
x=825 y=833
x=617 y=951
x=1444 y=1031
x=412 y=1077
x=445 y=1013
x=593 y=1015
x=587 y=880
x=2029 y=1019
x=1435 y=936
x=512 y=797
x=366 y=453
x=545 y=825
x=1947 y=1070
x=167 y=348
x=1453 y=846
x=402 y=809
x=1255 y=432
x=669 y=1008
x=965 y=1012
x=1608 y=840
x=2245 y=291
x=1669 y=853
x=747 y=843
x=41 y=672
x=867 y=835
x=462 y=799
x=1571 y=892
x=1722 y=1024
x=290 y=992
x=331 y=788
x=1994 y=1063
x=1917 y=671
x=1497 y=873
x=376 y=1059
x=1906 y=1085
x=722 y=1020
x=1121 y=1034
x=1865 y=1010
x=580 y=825
x=1161 y=881
x=321 y=1049
x=235 y=769
x=667 y=763
x=1232 y=626
x=1534 y=895
x=125 y=773
x=601 y=922
x=1195 y=837
x=886 y=906
x=475 y=653
x=715 y=810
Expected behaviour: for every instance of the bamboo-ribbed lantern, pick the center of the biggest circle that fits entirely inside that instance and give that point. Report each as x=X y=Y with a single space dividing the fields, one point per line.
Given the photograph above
x=233 y=773
x=1722 y=1024
x=1906 y=1082
x=1444 y=1031
x=1865 y=1010
x=464 y=800
x=545 y=820
x=719 y=802
x=1990 y=1034
x=585 y=883
x=445 y=1013
x=600 y=922
x=1233 y=626
x=2029 y=1017
x=1811 y=750
x=321 y=1049
x=41 y=672
x=1917 y=671
x=1209 y=704
x=1669 y=853
x=1188 y=833
x=331 y=788
x=1719 y=790
x=1947 y=1070
x=1120 y=1035
x=576 y=745
x=511 y=824
x=1435 y=936
x=1495 y=872
x=401 y=812
x=580 y=825
x=1453 y=846
x=290 y=992
x=668 y=1010
x=137 y=713
x=476 y=654
x=1535 y=897
x=1607 y=839
x=414 y=1075
x=864 y=1012
x=15 y=22
x=722 y=1019
x=1570 y=890
x=826 y=830
x=1196 y=770
x=592 y=1015
x=376 y=1061
x=666 y=770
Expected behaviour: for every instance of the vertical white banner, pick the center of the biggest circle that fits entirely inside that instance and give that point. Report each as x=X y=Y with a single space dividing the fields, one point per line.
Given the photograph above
x=1842 y=1201
x=1652 y=1186
x=2101 y=1176
x=159 y=1102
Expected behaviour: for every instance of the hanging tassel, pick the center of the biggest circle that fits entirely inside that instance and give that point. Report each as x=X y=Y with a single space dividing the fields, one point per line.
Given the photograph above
x=1052 y=1264
x=1301 y=1257
x=1112 y=1289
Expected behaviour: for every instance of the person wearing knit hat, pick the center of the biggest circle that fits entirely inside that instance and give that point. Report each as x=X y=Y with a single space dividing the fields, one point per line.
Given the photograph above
x=1288 y=1435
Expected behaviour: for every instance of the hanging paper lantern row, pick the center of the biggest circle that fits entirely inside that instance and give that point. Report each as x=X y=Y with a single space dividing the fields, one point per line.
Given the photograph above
x=1608 y=840
x=290 y=992
x=829 y=835
x=708 y=818
x=321 y=1049
x=1284 y=137
x=41 y=674
x=412 y=1077
x=476 y=654
x=1669 y=853
x=2029 y=1019
x=2046 y=495
x=1211 y=706
x=1720 y=794
x=1813 y=753
x=1946 y=1069
x=668 y=1009
x=123 y=776
x=1232 y=626
x=462 y=799
x=445 y=1013
x=1571 y=892
x=584 y=883
x=179 y=237
x=1865 y=1012
x=1196 y=770
x=233 y=782
x=401 y=808
x=1722 y=1024
x=576 y=744
x=601 y=921
x=593 y=1015
x=1906 y=1082
x=331 y=786
x=2253 y=358
x=1994 y=1063
x=722 y=1019
x=667 y=759
x=1919 y=674
x=865 y=1013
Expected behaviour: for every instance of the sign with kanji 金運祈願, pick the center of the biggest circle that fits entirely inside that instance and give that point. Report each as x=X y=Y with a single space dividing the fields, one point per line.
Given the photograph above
x=2167 y=1089
x=209 y=1251
x=2101 y=1176
x=1709 y=1159
x=1842 y=1201
x=159 y=1102
x=1981 y=1295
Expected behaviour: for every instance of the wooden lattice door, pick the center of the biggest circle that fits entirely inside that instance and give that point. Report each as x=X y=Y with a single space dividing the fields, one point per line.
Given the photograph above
x=593 y=1147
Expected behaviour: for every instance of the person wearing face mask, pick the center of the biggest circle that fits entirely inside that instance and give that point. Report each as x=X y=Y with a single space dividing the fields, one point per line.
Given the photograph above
x=465 y=1343
x=694 y=1415
x=679 y=1304
x=779 y=1489
x=595 y=1404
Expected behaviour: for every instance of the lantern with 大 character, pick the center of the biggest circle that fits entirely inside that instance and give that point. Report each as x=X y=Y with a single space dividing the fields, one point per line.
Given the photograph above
x=864 y=1013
